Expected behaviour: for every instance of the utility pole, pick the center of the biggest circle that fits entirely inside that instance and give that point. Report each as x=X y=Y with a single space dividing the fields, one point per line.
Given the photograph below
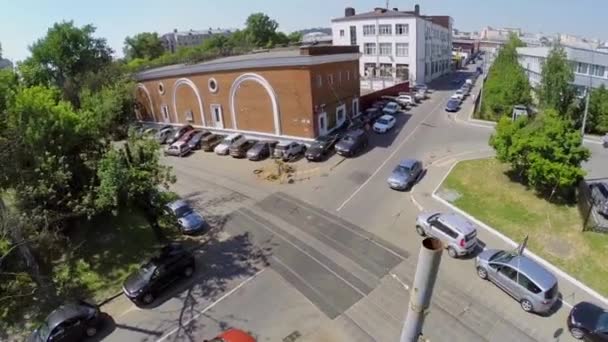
x=586 y=112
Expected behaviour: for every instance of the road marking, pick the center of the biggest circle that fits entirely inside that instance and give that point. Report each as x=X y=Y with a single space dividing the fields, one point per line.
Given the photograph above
x=387 y=159
x=405 y=286
x=226 y=295
x=418 y=205
x=130 y=309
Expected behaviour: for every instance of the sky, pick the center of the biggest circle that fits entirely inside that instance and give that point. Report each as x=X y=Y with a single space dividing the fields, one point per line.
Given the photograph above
x=22 y=22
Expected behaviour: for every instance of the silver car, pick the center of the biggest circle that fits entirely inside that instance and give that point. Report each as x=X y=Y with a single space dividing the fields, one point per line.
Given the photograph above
x=529 y=283
x=458 y=234
x=189 y=221
x=405 y=175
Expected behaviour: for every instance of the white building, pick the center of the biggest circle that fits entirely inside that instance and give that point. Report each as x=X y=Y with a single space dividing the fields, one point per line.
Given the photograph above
x=590 y=66
x=397 y=45
x=177 y=39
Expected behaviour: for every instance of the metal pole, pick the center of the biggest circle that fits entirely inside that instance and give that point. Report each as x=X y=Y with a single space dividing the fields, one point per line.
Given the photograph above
x=585 y=114
x=422 y=289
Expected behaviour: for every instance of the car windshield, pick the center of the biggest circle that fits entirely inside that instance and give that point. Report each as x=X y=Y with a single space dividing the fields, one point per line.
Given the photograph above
x=502 y=256
x=404 y=170
x=602 y=322
x=383 y=121
x=146 y=270
x=348 y=138
x=228 y=141
x=183 y=211
x=452 y=103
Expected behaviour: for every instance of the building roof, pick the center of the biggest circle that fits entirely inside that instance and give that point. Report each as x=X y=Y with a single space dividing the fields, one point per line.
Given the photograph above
x=591 y=56
x=377 y=14
x=267 y=59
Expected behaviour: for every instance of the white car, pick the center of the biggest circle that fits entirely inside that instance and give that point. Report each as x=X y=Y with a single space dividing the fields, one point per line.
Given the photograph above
x=391 y=108
x=459 y=94
x=384 y=123
x=405 y=100
x=223 y=148
x=178 y=149
x=456 y=97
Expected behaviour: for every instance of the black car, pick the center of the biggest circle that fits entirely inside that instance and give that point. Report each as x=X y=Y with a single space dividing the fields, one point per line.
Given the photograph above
x=209 y=142
x=262 y=149
x=453 y=105
x=70 y=322
x=197 y=137
x=352 y=143
x=589 y=322
x=240 y=148
x=178 y=132
x=169 y=265
x=321 y=147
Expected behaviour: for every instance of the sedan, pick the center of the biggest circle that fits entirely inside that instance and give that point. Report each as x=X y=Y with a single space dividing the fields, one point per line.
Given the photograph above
x=197 y=137
x=178 y=133
x=405 y=174
x=391 y=108
x=69 y=322
x=262 y=149
x=453 y=105
x=589 y=322
x=405 y=100
x=178 y=149
x=188 y=220
x=321 y=147
x=384 y=124
x=459 y=94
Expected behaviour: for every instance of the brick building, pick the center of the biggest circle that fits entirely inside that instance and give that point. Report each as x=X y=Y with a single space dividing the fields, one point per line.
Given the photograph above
x=291 y=93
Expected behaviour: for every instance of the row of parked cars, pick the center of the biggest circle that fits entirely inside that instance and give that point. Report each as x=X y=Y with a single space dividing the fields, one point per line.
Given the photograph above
x=455 y=101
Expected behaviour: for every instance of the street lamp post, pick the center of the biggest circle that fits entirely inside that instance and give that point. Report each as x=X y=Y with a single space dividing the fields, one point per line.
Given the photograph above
x=591 y=67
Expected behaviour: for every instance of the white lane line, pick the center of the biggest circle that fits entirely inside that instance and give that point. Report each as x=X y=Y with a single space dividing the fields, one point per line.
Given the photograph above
x=387 y=159
x=226 y=295
x=418 y=205
x=405 y=286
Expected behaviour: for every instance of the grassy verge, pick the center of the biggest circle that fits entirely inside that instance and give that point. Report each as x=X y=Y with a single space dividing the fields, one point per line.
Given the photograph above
x=487 y=193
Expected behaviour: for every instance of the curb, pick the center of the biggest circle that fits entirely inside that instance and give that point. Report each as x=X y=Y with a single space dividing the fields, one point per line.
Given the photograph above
x=512 y=243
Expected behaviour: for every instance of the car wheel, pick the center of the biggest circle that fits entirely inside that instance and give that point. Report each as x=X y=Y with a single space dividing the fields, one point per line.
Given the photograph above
x=577 y=333
x=452 y=252
x=148 y=298
x=91 y=331
x=420 y=231
x=482 y=273
x=526 y=305
x=188 y=271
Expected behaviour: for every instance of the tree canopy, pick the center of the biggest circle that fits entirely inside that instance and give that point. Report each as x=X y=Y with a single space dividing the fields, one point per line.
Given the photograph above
x=143 y=45
x=261 y=30
x=555 y=90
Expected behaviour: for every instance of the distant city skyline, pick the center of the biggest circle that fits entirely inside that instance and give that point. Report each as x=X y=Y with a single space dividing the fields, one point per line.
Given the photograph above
x=25 y=21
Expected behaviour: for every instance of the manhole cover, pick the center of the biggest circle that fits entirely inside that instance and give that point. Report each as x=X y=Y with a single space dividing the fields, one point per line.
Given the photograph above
x=292 y=337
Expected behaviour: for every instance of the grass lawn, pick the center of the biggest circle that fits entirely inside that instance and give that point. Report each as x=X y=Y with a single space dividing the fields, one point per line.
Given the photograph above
x=487 y=193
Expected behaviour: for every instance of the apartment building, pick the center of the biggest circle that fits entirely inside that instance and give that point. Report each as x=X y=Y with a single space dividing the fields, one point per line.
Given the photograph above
x=177 y=39
x=402 y=45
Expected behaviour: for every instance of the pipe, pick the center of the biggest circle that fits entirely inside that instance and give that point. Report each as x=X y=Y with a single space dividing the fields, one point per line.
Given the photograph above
x=422 y=289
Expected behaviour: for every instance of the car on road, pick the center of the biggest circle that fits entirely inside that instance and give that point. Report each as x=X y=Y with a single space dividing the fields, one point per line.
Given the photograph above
x=321 y=147
x=169 y=265
x=163 y=134
x=589 y=322
x=224 y=147
x=529 y=283
x=195 y=140
x=459 y=94
x=262 y=149
x=406 y=174
x=288 y=150
x=391 y=108
x=188 y=219
x=240 y=148
x=178 y=149
x=384 y=124
x=453 y=105
x=232 y=335
x=178 y=132
x=405 y=100
x=70 y=322
x=209 y=142
x=352 y=143
x=459 y=235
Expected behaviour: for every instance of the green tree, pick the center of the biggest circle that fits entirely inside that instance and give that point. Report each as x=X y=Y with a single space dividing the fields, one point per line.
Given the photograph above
x=260 y=29
x=545 y=153
x=143 y=45
x=597 y=118
x=295 y=37
x=9 y=84
x=555 y=90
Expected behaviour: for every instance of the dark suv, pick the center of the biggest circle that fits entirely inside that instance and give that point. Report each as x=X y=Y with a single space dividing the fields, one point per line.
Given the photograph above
x=169 y=265
x=70 y=322
x=240 y=148
x=321 y=147
x=352 y=143
x=209 y=142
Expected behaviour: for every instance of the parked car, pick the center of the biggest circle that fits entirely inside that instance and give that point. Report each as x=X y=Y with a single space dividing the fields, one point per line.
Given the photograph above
x=519 y=110
x=405 y=100
x=373 y=113
x=406 y=174
x=453 y=105
x=262 y=149
x=466 y=89
x=599 y=194
x=391 y=108
x=459 y=235
x=197 y=138
x=188 y=220
x=177 y=133
x=163 y=134
x=224 y=147
x=186 y=136
x=529 y=283
x=209 y=142
x=589 y=322
x=232 y=335
x=419 y=96
x=69 y=322
x=321 y=147
x=170 y=264
x=380 y=104
x=457 y=98
x=150 y=132
x=459 y=94
x=421 y=88
x=240 y=148
x=288 y=149
x=384 y=124
x=178 y=149
x=352 y=143
x=469 y=81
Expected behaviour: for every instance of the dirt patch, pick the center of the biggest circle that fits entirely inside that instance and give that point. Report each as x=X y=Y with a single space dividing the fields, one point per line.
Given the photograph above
x=278 y=171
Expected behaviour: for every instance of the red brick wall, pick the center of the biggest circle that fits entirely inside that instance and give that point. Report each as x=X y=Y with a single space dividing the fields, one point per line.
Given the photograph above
x=367 y=100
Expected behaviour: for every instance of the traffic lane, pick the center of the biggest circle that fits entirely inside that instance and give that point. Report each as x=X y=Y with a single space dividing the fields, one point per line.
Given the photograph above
x=598 y=163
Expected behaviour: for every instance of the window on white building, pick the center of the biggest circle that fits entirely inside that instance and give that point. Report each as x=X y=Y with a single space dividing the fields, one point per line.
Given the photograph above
x=582 y=68
x=386 y=49
x=369 y=30
x=385 y=30
x=598 y=70
x=369 y=48
x=402 y=49
x=341 y=33
x=402 y=29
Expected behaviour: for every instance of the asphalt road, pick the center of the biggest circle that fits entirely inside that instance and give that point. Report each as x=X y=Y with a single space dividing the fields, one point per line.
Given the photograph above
x=331 y=258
